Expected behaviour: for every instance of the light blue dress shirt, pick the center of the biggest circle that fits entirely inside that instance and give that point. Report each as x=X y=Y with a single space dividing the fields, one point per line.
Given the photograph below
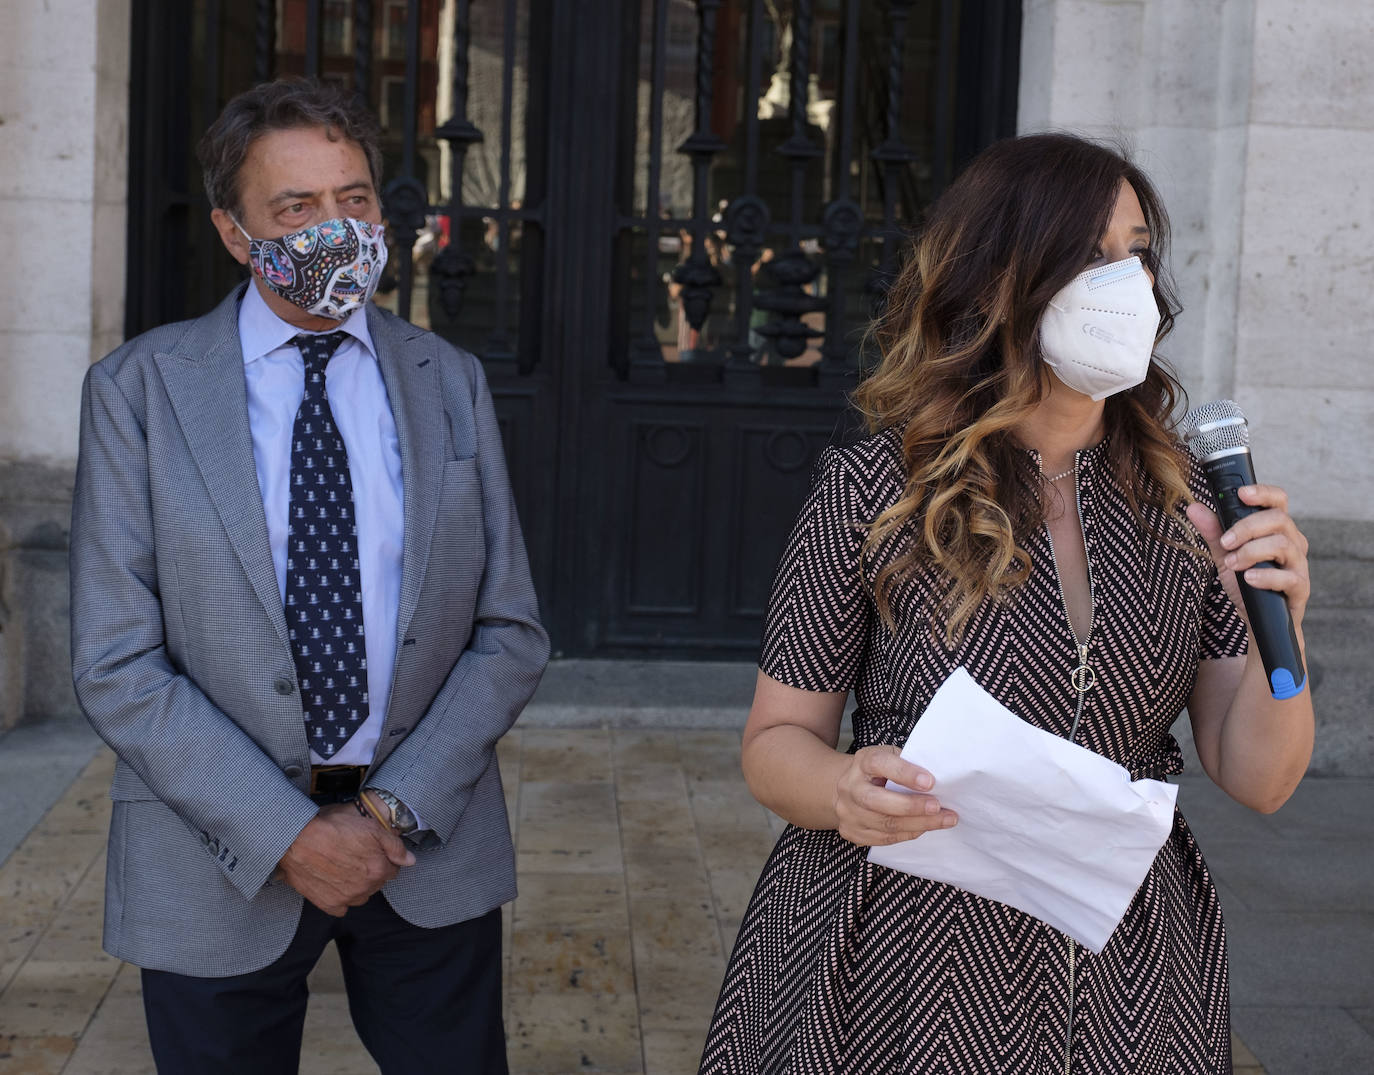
x=275 y=374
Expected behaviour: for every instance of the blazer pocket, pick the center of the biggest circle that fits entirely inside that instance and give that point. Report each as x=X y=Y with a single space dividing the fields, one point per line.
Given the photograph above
x=458 y=547
x=459 y=518
x=460 y=470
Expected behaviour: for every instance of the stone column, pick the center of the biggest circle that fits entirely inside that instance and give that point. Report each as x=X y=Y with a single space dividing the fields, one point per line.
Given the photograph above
x=64 y=91
x=1256 y=120
x=1304 y=326
x=1305 y=310
x=1169 y=80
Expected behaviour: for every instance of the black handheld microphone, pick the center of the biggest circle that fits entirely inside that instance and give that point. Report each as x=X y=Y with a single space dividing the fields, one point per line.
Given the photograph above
x=1218 y=437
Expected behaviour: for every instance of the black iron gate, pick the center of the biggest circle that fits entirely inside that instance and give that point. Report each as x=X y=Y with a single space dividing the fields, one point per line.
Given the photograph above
x=662 y=224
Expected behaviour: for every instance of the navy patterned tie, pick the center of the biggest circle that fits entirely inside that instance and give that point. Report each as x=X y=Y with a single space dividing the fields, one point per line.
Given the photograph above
x=324 y=601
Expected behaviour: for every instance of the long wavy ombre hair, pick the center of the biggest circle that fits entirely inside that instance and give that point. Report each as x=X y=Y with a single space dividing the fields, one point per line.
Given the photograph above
x=961 y=367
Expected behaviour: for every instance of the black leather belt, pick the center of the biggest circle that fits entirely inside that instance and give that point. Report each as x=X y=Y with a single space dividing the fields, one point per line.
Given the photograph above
x=335 y=783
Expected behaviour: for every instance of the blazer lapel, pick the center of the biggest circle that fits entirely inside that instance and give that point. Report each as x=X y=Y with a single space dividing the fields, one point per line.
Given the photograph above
x=410 y=370
x=204 y=379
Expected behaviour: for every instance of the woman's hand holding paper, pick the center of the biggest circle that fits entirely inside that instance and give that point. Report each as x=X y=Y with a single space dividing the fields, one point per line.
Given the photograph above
x=871 y=814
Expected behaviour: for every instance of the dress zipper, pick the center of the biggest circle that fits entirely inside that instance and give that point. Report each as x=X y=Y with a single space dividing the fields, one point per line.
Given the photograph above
x=1068 y=1033
x=1083 y=678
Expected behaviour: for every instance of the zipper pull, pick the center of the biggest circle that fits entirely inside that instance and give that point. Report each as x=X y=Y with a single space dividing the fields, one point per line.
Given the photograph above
x=1084 y=678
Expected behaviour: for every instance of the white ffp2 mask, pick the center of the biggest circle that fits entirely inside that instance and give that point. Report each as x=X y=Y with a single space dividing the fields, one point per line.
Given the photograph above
x=1098 y=332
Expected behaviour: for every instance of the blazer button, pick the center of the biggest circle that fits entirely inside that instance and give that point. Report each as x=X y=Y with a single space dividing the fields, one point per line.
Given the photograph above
x=293 y=771
x=283 y=686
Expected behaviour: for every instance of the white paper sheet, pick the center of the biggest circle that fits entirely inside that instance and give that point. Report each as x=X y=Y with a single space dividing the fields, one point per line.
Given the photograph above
x=1045 y=825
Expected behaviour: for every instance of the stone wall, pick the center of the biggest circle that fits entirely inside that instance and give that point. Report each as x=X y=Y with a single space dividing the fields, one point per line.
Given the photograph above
x=64 y=98
x=35 y=648
x=1256 y=120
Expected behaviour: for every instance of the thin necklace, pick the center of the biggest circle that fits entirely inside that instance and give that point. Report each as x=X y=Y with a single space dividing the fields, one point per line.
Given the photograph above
x=1051 y=480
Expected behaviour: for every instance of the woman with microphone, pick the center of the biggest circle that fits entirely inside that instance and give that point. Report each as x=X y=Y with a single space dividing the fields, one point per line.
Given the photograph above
x=1024 y=509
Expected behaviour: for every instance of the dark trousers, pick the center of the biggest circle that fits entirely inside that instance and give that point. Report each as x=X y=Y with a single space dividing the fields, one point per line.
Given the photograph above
x=424 y=1001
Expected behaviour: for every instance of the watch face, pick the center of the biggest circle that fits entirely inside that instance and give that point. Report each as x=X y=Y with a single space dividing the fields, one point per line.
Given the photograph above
x=401 y=817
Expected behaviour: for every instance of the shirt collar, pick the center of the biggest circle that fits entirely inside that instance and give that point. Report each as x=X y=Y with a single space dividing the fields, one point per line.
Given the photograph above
x=261 y=331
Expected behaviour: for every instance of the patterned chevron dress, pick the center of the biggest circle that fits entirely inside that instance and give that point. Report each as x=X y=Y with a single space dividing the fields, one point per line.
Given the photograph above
x=842 y=966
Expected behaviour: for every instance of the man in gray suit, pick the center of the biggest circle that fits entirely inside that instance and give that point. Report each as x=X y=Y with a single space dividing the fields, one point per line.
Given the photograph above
x=302 y=617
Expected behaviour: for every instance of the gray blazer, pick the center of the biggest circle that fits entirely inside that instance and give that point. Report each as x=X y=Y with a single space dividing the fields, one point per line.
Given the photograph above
x=181 y=661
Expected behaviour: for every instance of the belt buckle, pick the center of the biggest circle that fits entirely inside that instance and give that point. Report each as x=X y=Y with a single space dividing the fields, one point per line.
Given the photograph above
x=332 y=787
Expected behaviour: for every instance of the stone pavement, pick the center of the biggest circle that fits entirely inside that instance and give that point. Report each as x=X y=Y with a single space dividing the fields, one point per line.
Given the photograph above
x=637 y=850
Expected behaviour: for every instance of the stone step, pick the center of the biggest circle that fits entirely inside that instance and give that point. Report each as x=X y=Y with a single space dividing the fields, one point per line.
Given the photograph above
x=642 y=694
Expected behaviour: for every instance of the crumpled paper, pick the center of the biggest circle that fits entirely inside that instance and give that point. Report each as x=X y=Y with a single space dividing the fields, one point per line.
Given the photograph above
x=1045 y=825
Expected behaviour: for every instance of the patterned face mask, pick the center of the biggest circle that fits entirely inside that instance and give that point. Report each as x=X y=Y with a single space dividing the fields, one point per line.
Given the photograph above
x=328 y=269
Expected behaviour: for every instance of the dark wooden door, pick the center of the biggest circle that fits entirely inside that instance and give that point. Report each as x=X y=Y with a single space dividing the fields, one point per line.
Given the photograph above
x=663 y=225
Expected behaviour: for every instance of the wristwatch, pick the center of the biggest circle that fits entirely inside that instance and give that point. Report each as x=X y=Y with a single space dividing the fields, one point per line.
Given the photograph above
x=402 y=820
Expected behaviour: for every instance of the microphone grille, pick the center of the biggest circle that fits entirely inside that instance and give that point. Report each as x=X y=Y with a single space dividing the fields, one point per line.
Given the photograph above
x=1215 y=427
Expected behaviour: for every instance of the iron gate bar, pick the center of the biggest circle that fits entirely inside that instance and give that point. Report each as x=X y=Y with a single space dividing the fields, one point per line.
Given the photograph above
x=697 y=275
x=533 y=254
x=460 y=127
x=412 y=92
x=793 y=270
x=843 y=217
x=646 y=348
x=498 y=343
x=265 y=41
x=362 y=51
x=621 y=173
x=312 y=38
x=406 y=198
x=800 y=147
x=452 y=268
x=213 y=62
x=747 y=219
x=754 y=78
x=892 y=154
x=944 y=71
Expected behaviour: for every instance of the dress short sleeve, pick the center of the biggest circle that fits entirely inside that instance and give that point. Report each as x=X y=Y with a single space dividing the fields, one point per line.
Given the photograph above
x=819 y=614
x=1222 y=631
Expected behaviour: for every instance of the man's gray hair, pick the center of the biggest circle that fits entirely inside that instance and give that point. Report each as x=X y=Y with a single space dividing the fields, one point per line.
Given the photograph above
x=286 y=104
